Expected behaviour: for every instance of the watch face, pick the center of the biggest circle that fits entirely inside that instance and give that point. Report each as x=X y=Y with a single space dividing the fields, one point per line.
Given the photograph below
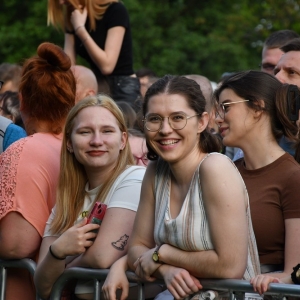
x=155 y=256
x=298 y=274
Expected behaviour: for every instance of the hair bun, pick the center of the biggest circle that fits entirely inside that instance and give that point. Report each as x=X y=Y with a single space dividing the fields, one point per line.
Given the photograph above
x=54 y=55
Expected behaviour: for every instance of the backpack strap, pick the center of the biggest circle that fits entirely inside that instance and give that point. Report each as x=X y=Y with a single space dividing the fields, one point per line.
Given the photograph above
x=4 y=122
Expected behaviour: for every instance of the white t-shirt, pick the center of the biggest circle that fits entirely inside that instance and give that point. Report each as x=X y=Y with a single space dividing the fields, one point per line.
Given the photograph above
x=124 y=193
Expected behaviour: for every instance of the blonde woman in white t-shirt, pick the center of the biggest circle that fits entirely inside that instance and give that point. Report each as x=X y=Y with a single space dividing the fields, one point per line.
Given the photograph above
x=96 y=165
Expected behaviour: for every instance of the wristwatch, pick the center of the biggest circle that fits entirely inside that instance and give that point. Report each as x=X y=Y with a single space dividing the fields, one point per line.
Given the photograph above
x=155 y=255
x=296 y=274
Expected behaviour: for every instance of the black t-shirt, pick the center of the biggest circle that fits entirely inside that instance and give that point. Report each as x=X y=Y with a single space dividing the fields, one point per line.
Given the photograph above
x=115 y=15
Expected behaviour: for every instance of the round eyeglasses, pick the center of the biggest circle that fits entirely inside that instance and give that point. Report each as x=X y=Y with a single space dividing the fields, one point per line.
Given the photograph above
x=177 y=121
x=143 y=159
x=222 y=108
x=1 y=83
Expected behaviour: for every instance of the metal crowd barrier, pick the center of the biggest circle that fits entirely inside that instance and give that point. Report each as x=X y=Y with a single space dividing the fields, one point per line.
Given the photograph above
x=235 y=288
x=98 y=275
x=24 y=263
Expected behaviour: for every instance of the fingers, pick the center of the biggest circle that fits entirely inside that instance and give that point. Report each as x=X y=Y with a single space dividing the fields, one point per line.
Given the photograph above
x=261 y=283
x=124 y=293
x=81 y=223
x=109 y=293
x=197 y=283
x=135 y=264
x=180 y=283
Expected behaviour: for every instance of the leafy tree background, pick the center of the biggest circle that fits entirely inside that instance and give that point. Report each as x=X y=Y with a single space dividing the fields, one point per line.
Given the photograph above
x=169 y=36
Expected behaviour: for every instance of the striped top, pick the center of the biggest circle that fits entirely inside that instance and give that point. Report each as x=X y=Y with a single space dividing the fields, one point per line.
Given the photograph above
x=190 y=231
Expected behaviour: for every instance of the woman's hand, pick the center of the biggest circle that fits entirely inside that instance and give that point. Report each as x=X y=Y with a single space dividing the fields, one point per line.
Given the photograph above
x=115 y=280
x=145 y=266
x=78 y=18
x=179 y=282
x=75 y=240
x=261 y=282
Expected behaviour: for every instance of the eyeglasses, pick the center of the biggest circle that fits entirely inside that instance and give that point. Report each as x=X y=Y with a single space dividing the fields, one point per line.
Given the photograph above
x=1 y=83
x=221 y=108
x=177 y=121
x=143 y=159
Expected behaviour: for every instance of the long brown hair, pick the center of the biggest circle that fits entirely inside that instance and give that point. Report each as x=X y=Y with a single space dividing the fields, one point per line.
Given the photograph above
x=73 y=178
x=256 y=86
x=59 y=15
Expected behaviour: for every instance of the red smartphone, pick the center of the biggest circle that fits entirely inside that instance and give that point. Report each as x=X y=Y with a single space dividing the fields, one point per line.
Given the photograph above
x=97 y=214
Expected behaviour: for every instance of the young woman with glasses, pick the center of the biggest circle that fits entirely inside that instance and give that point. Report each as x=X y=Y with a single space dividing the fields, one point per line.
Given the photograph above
x=193 y=219
x=254 y=111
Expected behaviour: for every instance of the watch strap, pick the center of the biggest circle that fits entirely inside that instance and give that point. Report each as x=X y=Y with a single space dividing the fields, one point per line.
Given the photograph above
x=156 y=252
x=294 y=276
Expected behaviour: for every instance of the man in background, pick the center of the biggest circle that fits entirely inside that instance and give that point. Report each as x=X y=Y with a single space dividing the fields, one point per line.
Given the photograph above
x=86 y=82
x=271 y=52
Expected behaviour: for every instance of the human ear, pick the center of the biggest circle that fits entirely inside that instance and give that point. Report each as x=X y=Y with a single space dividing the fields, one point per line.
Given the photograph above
x=259 y=108
x=123 y=140
x=69 y=146
x=203 y=122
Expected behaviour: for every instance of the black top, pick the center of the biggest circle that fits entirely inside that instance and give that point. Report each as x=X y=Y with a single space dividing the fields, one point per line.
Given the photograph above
x=115 y=15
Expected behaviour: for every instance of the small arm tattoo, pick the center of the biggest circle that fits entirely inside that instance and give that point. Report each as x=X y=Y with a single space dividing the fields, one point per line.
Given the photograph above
x=121 y=242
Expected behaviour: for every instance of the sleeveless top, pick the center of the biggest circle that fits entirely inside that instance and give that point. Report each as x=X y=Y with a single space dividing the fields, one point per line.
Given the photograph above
x=190 y=230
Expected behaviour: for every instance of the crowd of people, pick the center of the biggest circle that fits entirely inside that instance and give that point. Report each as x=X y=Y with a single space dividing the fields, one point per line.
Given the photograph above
x=195 y=181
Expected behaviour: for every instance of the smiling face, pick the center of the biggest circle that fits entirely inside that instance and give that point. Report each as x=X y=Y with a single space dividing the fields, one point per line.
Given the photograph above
x=238 y=120
x=288 y=68
x=170 y=144
x=96 y=139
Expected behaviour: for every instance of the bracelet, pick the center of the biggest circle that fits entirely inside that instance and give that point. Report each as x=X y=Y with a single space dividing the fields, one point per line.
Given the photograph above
x=53 y=255
x=78 y=28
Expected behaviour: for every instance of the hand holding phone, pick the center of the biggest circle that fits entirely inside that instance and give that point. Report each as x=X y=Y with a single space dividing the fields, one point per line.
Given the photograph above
x=97 y=214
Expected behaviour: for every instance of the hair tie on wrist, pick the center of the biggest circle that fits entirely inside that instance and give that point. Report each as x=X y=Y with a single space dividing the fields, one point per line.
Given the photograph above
x=53 y=255
x=78 y=27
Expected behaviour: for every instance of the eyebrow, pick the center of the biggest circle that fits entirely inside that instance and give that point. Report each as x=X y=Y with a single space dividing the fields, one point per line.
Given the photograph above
x=175 y=112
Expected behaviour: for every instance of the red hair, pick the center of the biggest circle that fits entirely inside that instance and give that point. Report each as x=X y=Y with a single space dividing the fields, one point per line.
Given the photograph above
x=48 y=86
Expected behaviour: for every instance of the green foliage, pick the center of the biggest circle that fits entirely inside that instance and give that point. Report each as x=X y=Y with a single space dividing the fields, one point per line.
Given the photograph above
x=169 y=36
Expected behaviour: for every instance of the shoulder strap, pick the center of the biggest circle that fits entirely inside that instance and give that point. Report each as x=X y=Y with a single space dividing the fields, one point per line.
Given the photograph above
x=4 y=122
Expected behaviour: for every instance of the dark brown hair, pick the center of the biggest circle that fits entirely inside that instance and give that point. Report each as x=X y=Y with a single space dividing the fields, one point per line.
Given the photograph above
x=48 y=86
x=256 y=86
x=191 y=91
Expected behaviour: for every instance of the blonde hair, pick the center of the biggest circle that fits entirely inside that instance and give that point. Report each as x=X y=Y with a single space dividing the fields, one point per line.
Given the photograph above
x=59 y=15
x=73 y=178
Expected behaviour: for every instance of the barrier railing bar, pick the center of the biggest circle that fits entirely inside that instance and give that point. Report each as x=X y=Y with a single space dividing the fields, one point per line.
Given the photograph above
x=239 y=287
x=3 y=283
x=25 y=263
x=245 y=286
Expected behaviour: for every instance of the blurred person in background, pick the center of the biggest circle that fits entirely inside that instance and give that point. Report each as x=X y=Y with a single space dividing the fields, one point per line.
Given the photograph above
x=86 y=82
x=138 y=146
x=10 y=74
x=99 y=31
x=10 y=107
x=9 y=132
x=271 y=52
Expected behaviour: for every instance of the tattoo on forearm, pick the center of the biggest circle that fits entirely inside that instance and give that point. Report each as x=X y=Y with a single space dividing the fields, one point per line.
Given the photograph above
x=121 y=242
